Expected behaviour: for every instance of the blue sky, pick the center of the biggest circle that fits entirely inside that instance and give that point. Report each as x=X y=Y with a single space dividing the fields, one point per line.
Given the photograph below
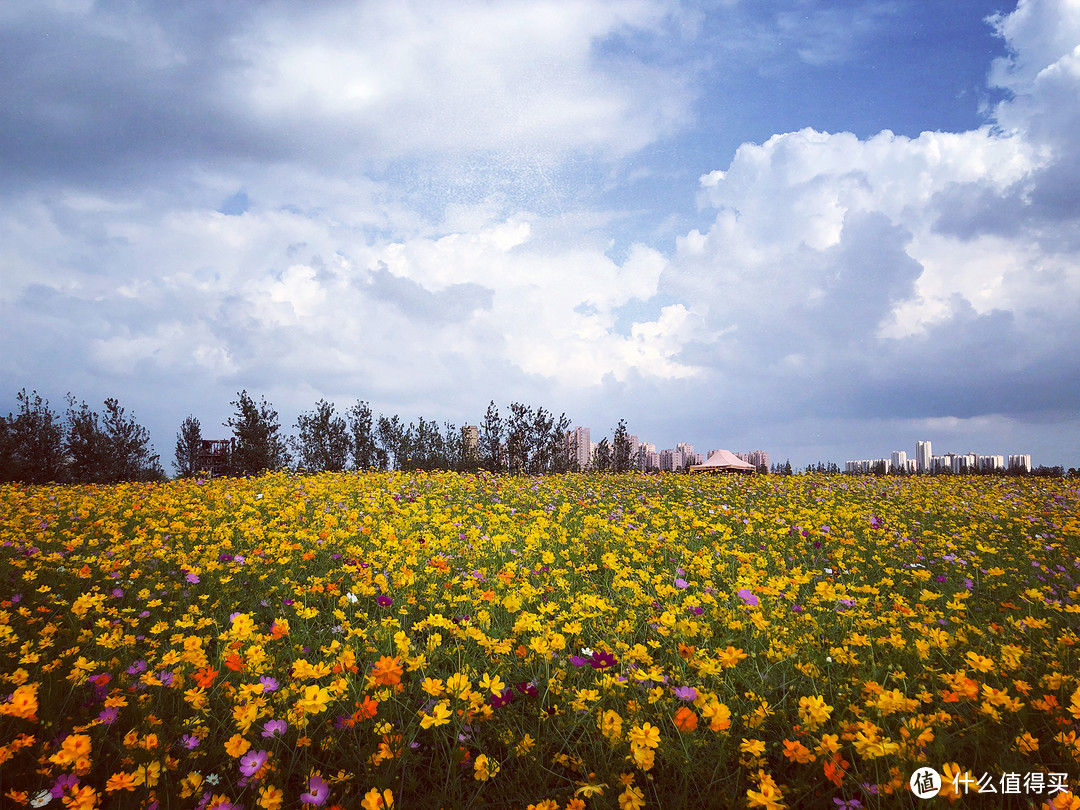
x=823 y=229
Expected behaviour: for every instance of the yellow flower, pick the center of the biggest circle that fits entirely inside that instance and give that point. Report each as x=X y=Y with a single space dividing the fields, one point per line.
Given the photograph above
x=633 y=798
x=754 y=748
x=610 y=724
x=644 y=736
x=814 y=712
x=73 y=748
x=271 y=798
x=373 y=800
x=440 y=715
x=492 y=683
x=484 y=768
x=314 y=700
x=120 y=781
x=979 y=662
x=237 y=746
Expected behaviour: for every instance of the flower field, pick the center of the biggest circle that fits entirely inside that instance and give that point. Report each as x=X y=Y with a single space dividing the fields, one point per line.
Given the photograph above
x=443 y=640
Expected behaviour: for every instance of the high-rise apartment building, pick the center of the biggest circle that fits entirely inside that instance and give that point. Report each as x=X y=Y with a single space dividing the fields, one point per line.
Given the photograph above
x=923 y=456
x=582 y=447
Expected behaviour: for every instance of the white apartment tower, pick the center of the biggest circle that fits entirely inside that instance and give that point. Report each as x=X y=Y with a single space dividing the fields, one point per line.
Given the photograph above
x=923 y=456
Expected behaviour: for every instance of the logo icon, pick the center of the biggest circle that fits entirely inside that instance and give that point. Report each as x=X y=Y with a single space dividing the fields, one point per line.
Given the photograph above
x=925 y=783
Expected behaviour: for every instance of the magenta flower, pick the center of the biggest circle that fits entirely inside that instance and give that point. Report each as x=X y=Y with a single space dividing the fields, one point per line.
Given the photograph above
x=274 y=728
x=747 y=596
x=252 y=762
x=685 y=692
x=318 y=790
x=384 y=601
x=602 y=660
x=269 y=684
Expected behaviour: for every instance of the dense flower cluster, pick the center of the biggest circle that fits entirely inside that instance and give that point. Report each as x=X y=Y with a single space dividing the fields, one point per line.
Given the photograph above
x=427 y=640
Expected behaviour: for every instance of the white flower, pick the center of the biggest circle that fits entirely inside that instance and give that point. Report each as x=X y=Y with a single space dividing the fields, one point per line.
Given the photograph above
x=352 y=597
x=213 y=779
x=42 y=798
x=585 y=651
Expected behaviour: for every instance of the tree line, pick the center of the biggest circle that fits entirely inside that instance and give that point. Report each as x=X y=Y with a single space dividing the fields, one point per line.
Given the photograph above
x=37 y=445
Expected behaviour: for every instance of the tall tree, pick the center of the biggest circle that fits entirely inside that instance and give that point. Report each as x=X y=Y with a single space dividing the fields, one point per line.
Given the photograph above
x=602 y=461
x=84 y=442
x=620 y=457
x=188 y=444
x=561 y=447
x=259 y=444
x=518 y=434
x=491 y=439
x=129 y=454
x=362 y=445
x=322 y=443
x=31 y=442
x=390 y=433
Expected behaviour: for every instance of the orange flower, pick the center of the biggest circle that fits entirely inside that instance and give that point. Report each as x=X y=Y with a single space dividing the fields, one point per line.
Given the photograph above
x=205 y=677
x=367 y=709
x=685 y=719
x=387 y=671
x=835 y=769
x=235 y=663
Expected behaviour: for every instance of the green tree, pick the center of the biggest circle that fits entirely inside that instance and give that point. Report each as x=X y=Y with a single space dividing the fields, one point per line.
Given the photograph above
x=362 y=446
x=620 y=456
x=31 y=442
x=188 y=444
x=391 y=435
x=519 y=431
x=259 y=446
x=603 y=460
x=129 y=455
x=322 y=443
x=84 y=442
x=491 y=439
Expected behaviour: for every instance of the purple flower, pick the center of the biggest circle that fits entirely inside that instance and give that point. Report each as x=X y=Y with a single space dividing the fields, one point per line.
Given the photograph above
x=273 y=728
x=251 y=763
x=602 y=660
x=384 y=601
x=108 y=715
x=190 y=742
x=747 y=596
x=685 y=692
x=193 y=578
x=578 y=661
x=269 y=684
x=118 y=592
x=318 y=790
x=681 y=583
x=68 y=781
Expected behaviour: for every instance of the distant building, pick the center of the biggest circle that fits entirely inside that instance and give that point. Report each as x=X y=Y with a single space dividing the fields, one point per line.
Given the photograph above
x=1020 y=462
x=471 y=436
x=923 y=455
x=582 y=447
x=759 y=458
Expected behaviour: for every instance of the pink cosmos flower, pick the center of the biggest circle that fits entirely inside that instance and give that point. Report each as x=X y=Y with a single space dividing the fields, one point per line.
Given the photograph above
x=273 y=728
x=318 y=790
x=251 y=763
x=747 y=596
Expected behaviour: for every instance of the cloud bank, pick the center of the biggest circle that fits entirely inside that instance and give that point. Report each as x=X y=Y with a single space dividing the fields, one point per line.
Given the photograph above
x=411 y=203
